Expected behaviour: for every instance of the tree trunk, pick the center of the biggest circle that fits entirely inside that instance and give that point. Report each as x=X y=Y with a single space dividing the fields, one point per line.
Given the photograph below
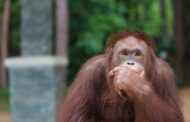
x=179 y=37
x=4 y=41
x=61 y=27
x=62 y=30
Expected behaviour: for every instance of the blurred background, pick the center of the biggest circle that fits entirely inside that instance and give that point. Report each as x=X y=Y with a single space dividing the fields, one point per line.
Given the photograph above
x=87 y=25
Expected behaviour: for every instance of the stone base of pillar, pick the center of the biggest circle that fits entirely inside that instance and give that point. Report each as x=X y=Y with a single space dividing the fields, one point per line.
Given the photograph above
x=35 y=87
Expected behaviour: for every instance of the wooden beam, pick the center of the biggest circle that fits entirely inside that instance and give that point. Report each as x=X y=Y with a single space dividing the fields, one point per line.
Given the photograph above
x=4 y=41
x=61 y=28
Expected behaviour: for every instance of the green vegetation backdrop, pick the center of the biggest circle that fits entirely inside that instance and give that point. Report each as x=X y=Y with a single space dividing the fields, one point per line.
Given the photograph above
x=92 y=21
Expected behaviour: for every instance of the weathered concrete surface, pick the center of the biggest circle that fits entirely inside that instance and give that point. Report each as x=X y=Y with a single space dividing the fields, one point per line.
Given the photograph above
x=36 y=27
x=35 y=88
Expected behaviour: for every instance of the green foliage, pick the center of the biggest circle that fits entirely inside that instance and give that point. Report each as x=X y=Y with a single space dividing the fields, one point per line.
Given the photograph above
x=14 y=41
x=1 y=9
x=144 y=16
x=4 y=99
x=92 y=21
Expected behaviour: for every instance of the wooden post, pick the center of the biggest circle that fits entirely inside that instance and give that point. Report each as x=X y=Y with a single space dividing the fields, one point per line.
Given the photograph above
x=61 y=28
x=179 y=37
x=4 y=41
x=62 y=31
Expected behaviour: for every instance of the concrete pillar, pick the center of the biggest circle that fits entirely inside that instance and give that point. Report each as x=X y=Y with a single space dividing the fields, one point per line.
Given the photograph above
x=36 y=78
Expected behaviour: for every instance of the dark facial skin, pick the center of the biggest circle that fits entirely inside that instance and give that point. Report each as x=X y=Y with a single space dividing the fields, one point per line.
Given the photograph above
x=131 y=52
x=129 y=62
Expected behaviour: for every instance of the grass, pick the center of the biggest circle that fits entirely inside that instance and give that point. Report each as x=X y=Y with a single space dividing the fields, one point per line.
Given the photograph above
x=4 y=99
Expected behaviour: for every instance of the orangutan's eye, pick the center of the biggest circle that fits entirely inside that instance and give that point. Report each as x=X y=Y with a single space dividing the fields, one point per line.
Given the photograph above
x=123 y=53
x=137 y=53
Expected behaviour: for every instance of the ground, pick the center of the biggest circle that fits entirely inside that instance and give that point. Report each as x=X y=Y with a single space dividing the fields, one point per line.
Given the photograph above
x=185 y=99
x=4 y=117
x=184 y=95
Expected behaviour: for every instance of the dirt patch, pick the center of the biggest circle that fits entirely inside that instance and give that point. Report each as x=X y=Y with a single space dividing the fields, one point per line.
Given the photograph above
x=5 y=117
x=185 y=100
x=184 y=95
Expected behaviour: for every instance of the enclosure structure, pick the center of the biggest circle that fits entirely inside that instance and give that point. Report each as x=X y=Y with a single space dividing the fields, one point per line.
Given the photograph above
x=36 y=78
